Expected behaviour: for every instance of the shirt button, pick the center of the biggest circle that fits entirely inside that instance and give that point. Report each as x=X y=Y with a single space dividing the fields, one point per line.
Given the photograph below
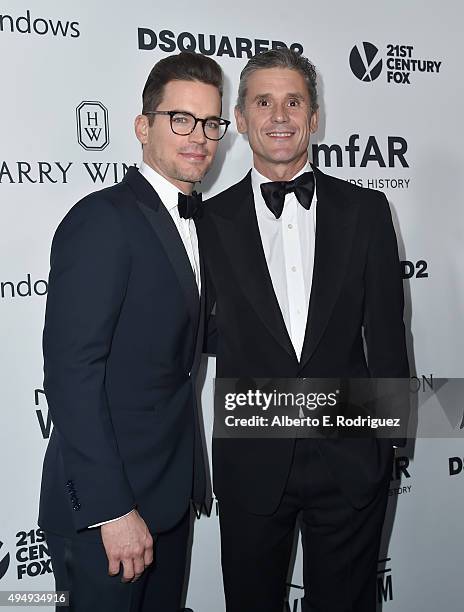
x=290 y=226
x=293 y=268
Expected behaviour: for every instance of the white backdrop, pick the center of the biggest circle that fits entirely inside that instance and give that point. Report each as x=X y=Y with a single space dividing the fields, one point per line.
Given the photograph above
x=56 y=55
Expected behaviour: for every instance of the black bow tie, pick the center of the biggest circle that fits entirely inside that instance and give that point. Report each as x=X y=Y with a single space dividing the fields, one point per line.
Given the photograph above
x=189 y=205
x=274 y=193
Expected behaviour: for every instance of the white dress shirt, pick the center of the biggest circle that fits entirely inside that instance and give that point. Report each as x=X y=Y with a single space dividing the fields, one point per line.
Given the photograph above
x=168 y=195
x=288 y=244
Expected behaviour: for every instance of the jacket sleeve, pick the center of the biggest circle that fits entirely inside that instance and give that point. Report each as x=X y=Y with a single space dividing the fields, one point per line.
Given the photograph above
x=90 y=265
x=383 y=317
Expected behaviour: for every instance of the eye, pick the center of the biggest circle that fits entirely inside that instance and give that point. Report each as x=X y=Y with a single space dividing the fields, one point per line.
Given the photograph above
x=181 y=119
x=212 y=124
x=263 y=102
x=294 y=102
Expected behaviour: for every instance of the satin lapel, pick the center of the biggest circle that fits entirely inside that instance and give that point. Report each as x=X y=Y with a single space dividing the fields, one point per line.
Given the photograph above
x=164 y=227
x=335 y=226
x=239 y=232
x=201 y=322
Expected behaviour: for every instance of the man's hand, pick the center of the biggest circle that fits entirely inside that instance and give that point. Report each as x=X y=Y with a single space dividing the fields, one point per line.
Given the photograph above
x=127 y=541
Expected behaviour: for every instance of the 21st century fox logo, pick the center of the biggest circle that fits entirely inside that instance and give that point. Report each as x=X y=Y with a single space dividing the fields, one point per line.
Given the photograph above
x=397 y=62
x=4 y=560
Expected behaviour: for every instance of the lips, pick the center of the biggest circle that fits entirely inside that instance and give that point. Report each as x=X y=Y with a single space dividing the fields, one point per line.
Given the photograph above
x=275 y=134
x=194 y=155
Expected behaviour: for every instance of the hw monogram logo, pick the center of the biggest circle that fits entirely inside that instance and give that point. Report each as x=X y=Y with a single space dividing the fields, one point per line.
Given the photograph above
x=92 y=126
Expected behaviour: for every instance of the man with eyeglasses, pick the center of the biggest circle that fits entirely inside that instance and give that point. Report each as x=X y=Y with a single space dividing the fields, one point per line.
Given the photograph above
x=122 y=343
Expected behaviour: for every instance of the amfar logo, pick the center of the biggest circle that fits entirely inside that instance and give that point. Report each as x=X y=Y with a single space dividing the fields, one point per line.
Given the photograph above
x=4 y=562
x=26 y=25
x=400 y=471
x=384 y=582
x=361 y=152
x=294 y=601
x=43 y=413
x=93 y=132
x=208 y=44
x=366 y=63
x=206 y=509
x=400 y=468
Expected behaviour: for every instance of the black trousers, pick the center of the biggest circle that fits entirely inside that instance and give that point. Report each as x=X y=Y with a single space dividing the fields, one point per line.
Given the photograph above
x=80 y=566
x=340 y=544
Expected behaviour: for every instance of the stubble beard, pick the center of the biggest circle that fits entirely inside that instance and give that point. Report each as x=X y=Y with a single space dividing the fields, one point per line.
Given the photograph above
x=192 y=176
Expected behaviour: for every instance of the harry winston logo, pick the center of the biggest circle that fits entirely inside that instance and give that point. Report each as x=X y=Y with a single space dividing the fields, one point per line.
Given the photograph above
x=92 y=125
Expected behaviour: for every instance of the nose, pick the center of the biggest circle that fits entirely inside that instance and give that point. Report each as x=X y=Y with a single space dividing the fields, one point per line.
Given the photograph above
x=198 y=134
x=280 y=113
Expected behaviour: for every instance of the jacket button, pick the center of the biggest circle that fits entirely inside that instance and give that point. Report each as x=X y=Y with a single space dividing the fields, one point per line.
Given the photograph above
x=77 y=507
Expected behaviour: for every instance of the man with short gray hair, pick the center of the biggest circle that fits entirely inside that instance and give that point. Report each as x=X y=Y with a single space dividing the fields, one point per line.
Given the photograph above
x=295 y=293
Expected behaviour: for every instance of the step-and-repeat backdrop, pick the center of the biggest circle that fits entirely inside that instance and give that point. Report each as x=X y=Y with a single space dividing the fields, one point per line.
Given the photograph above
x=391 y=101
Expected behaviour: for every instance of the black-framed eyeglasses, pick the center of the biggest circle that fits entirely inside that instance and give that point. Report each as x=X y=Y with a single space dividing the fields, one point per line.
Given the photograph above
x=183 y=124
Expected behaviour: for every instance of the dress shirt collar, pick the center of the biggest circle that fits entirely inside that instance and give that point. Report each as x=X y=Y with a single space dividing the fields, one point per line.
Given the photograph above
x=257 y=179
x=167 y=192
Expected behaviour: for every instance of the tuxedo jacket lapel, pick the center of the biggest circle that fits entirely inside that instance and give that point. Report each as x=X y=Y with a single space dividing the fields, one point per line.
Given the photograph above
x=335 y=226
x=201 y=321
x=239 y=231
x=164 y=227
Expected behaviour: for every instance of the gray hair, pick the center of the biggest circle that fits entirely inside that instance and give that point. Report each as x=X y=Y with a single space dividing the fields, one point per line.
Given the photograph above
x=279 y=58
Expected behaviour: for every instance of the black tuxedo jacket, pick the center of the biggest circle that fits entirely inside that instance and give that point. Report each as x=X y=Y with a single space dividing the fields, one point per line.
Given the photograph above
x=356 y=287
x=121 y=352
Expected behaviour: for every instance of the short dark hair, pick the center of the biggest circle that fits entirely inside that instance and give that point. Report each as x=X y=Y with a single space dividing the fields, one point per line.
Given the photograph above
x=279 y=58
x=185 y=66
